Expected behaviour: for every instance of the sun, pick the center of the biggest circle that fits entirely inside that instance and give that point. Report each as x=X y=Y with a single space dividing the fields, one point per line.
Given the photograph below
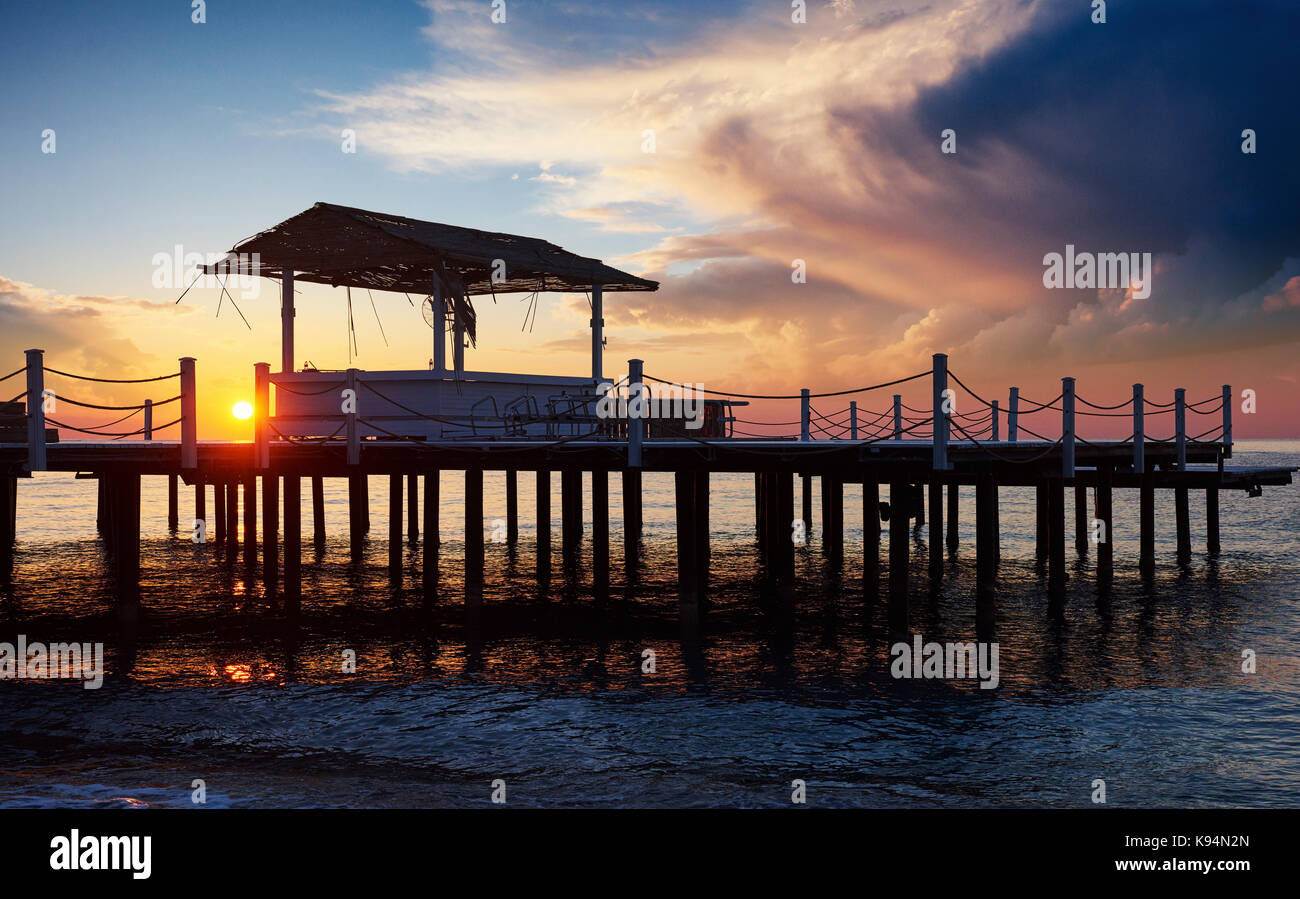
x=242 y=410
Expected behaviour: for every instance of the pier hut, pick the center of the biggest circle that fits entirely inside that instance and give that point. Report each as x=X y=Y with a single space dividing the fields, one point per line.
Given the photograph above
x=447 y=266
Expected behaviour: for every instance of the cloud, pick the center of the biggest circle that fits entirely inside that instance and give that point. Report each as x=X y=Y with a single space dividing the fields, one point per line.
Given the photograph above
x=775 y=142
x=85 y=335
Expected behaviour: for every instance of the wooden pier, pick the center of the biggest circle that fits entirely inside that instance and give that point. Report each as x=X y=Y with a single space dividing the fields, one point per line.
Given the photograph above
x=910 y=466
x=355 y=425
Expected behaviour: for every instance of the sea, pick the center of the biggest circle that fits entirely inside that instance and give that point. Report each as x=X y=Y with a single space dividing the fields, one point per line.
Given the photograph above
x=1177 y=690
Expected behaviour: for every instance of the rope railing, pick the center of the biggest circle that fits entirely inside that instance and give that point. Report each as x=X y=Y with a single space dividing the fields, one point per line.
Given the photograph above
x=55 y=371
x=795 y=396
x=100 y=433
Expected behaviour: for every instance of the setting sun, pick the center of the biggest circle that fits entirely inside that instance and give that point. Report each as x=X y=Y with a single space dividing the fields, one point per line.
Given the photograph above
x=242 y=410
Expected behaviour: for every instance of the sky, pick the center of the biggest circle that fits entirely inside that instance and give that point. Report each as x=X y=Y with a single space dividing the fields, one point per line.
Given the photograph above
x=774 y=141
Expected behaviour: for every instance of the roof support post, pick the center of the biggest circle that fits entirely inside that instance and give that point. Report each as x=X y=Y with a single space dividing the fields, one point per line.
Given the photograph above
x=439 y=329
x=458 y=349
x=286 y=320
x=597 y=332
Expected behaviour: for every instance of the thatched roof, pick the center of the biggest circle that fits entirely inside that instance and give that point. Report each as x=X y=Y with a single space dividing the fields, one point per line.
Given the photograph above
x=343 y=246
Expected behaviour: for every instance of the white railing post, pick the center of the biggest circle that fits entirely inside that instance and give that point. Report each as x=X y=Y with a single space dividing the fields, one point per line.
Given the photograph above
x=804 y=412
x=189 y=416
x=1067 y=427
x=898 y=417
x=148 y=419
x=1139 y=433
x=635 y=402
x=36 y=410
x=853 y=419
x=1180 y=426
x=1227 y=420
x=994 y=432
x=262 y=414
x=354 y=435
x=940 y=418
x=1013 y=415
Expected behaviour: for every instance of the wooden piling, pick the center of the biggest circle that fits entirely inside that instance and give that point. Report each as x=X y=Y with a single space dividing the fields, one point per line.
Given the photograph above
x=806 y=494
x=474 y=569
x=232 y=518
x=1081 y=519
x=688 y=588
x=101 y=504
x=7 y=530
x=599 y=532
x=986 y=554
x=833 y=518
x=394 y=525
x=292 y=544
x=898 y=557
x=543 y=527
x=1056 y=528
x=1147 y=527
x=632 y=521
x=270 y=531
x=1042 y=531
x=173 y=503
x=200 y=505
x=358 y=514
x=953 y=512
x=318 y=511
x=703 y=550
x=1212 y=520
x=413 y=508
x=1105 y=545
x=934 y=546
x=570 y=512
x=512 y=506
x=127 y=543
x=870 y=539
x=784 y=552
x=1183 y=522
x=219 y=504
x=429 y=574
x=249 y=485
